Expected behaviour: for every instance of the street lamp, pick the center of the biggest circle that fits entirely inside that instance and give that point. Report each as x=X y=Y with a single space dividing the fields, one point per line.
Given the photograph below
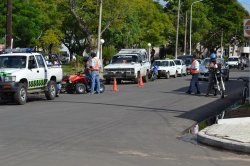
x=149 y=46
x=101 y=43
x=190 y=35
x=99 y=29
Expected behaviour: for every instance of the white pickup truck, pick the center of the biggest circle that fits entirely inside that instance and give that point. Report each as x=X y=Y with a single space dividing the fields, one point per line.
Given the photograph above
x=27 y=73
x=128 y=64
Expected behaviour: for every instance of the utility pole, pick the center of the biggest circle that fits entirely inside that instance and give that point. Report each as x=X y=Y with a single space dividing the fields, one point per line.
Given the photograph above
x=9 y=24
x=99 y=29
x=185 y=37
x=177 y=29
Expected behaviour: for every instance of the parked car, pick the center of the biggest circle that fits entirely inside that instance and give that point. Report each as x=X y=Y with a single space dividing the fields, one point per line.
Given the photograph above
x=233 y=61
x=204 y=73
x=166 y=68
x=187 y=59
x=181 y=67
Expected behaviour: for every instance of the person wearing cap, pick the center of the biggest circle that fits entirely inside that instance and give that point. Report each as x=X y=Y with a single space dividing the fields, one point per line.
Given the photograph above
x=212 y=68
x=195 y=73
x=95 y=65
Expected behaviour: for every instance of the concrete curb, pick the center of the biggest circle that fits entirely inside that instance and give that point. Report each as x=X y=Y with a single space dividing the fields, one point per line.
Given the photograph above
x=202 y=137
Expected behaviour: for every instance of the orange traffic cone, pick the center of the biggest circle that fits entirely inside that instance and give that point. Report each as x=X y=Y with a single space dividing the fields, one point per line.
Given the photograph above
x=115 y=89
x=140 y=81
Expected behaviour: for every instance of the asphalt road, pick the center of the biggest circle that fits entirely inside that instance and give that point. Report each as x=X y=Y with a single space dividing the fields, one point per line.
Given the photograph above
x=132 y=127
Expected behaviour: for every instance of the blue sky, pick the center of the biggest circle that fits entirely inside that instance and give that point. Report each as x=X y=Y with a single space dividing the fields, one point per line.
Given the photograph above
x=245 y=4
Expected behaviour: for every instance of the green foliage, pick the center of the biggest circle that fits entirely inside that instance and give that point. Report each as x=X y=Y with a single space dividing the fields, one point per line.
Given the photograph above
x=108 y=52
x=125 y=23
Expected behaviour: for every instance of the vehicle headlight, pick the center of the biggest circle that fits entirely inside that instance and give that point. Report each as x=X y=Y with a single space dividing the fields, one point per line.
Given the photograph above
x=105 y=71
x=9 y=78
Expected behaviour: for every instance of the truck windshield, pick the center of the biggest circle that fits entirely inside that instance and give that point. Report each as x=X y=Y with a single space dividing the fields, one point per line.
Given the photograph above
x=12 y=61
x=124 y=59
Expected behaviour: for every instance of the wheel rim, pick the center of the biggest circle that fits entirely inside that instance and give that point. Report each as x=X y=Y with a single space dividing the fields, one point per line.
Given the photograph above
x=53 y=90
x=80 y=89
x=23 y=94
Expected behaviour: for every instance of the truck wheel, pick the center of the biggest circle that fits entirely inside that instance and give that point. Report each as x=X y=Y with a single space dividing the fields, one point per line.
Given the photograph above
x=20 y=96
x=102 y=87
x=50 y=93
x=80 y=88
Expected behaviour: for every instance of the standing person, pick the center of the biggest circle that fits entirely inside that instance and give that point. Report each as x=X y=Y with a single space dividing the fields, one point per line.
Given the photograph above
x=87 y=74
x=195 y=73
x=95 y=65
x=212 y=67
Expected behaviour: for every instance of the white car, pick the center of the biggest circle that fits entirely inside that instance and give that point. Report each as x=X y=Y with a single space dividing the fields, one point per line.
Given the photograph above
x=233 y=62
x=166 y=68
x=181 y=67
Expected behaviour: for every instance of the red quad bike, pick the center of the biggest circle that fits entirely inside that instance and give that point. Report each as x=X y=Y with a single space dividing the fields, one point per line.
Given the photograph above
x=76 y=84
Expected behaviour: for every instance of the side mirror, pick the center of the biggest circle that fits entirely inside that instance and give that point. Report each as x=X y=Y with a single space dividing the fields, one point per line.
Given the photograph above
x=107 y=62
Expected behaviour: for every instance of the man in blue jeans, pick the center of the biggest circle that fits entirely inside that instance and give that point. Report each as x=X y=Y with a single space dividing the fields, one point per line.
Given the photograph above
x=195 y=73
x=94 y=68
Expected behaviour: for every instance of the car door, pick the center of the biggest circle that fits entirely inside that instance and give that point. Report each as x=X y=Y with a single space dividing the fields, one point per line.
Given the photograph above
x=172 y=68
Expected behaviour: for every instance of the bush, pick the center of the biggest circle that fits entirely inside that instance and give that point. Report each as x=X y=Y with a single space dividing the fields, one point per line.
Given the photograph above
x=107 y=53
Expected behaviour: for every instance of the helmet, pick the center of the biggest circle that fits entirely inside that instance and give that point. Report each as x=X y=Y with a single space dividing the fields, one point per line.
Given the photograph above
x=213 y=56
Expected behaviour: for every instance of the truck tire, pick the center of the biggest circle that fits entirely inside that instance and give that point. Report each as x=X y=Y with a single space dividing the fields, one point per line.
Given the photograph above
x=50 y=93
x=20 y=96
x=80 y=88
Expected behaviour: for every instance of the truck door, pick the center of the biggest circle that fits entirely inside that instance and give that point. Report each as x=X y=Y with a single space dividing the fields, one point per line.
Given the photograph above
x=34 y=74
x=43 y=77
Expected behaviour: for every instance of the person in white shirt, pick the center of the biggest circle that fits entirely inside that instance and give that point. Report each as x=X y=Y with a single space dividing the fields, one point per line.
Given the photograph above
x=195 y=73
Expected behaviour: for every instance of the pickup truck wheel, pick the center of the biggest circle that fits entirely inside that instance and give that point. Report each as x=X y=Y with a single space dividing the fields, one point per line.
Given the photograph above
x=20 y=96
x=51 y=92
x=80 y=88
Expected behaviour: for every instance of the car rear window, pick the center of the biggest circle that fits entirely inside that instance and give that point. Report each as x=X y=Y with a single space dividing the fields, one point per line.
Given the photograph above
x=233 y=59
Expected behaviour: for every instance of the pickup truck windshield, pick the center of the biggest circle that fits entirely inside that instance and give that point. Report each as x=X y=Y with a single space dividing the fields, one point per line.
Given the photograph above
x=12 y=61
x=124 y=59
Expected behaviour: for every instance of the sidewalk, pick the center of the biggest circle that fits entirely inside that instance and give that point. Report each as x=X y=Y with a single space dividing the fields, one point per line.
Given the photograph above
x=232 y=134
